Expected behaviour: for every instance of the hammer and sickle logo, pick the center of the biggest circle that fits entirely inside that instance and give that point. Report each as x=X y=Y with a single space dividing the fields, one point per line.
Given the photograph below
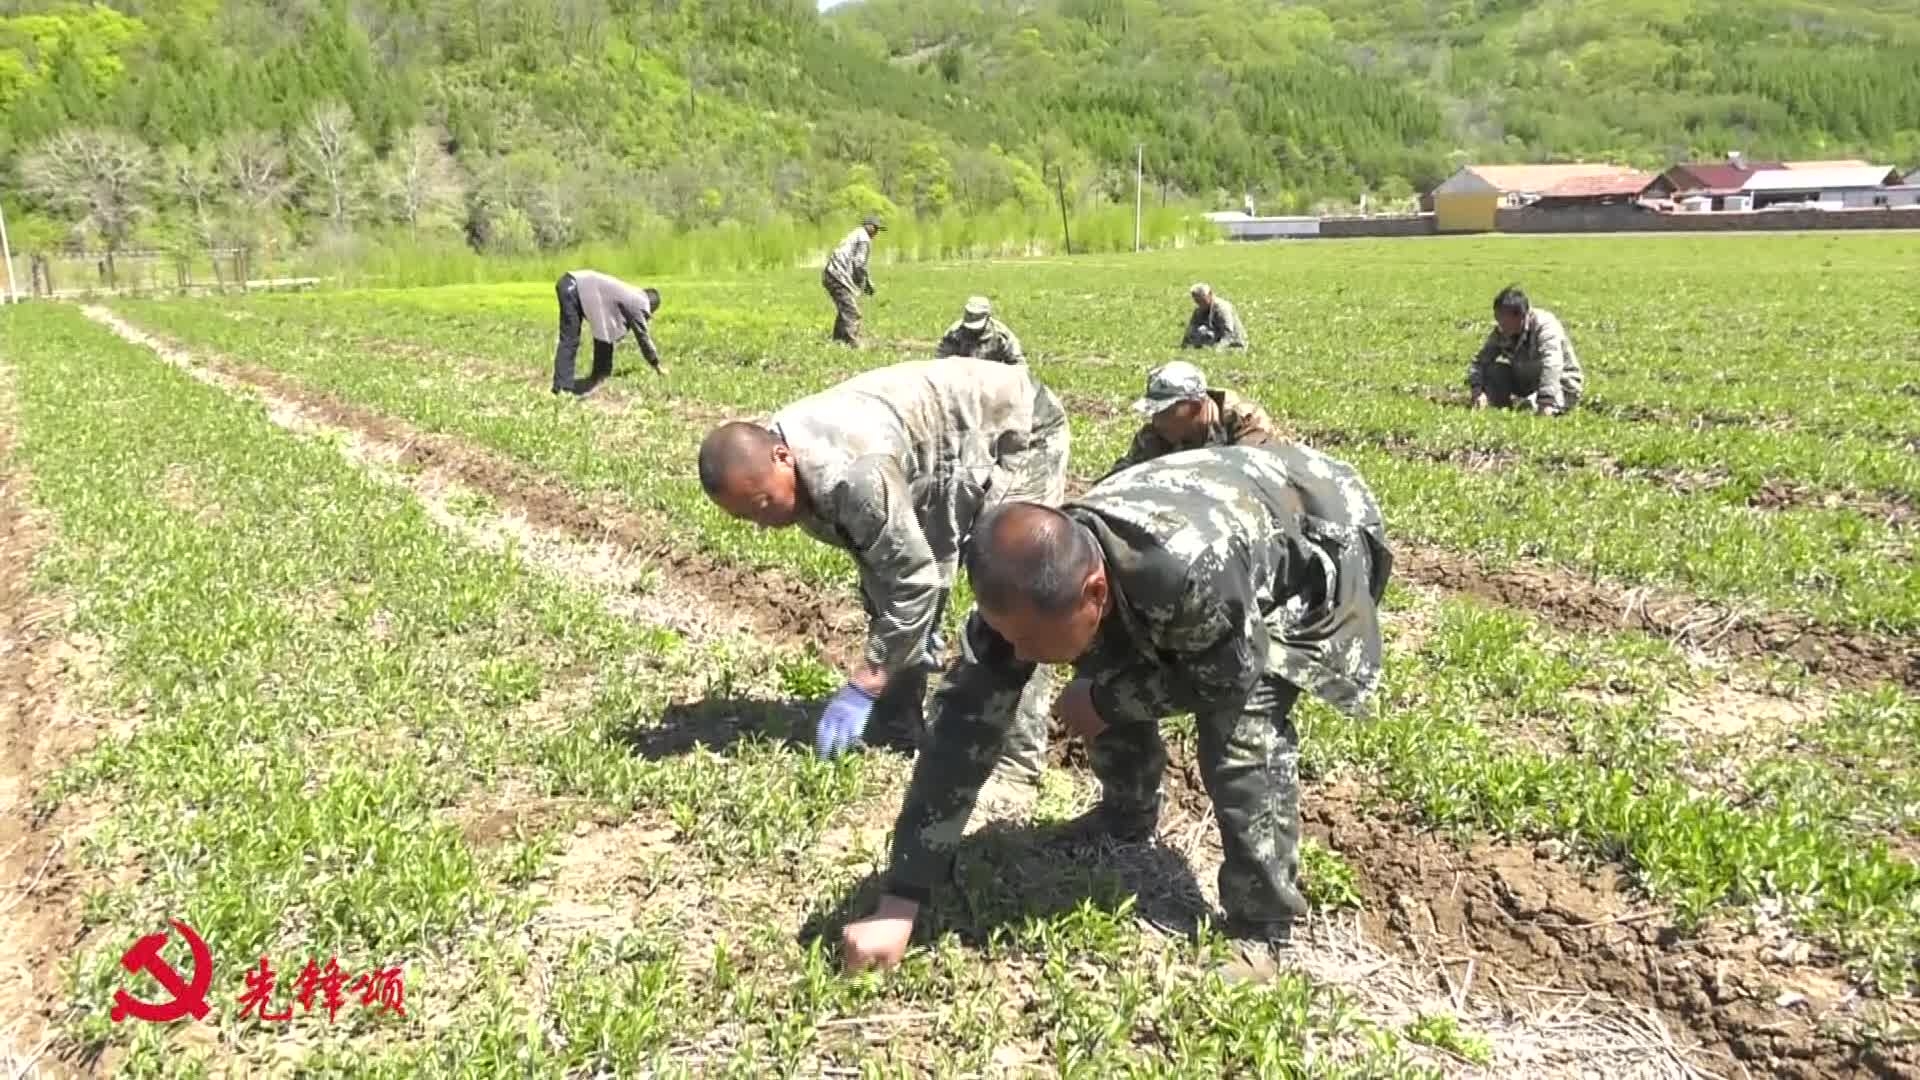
x=187 y=997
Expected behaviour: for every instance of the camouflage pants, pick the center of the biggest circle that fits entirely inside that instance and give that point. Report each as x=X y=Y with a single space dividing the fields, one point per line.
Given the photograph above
x=899 y=718
x=1035 y=474
x=846 y=308
x=1504 y=389
x=1249 y=762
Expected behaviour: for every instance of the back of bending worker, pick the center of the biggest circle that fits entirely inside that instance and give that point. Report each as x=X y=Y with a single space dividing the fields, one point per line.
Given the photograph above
x=894 y=466
x=610 y=307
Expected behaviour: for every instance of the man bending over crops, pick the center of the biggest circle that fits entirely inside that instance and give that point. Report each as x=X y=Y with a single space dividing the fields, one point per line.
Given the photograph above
x=1214 y=325
x=1527 y=361
x=1182 y=414
x=978 y=334
x=846 y=271
x=1222 y=582
x=894 y=465
x=611 y=307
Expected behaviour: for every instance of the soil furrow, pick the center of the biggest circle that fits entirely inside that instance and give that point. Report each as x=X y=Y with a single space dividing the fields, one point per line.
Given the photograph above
x=777 y=603
x=1533 y=926
x=40 y=901
x=1894 y=510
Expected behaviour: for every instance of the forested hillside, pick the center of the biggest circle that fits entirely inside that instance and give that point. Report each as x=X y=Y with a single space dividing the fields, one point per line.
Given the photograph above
x=1300 y=101
x=519 y=126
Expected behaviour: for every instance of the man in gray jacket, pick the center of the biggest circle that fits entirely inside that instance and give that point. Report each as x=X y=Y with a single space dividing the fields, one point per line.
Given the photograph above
x=893 y=466
x=610 y=307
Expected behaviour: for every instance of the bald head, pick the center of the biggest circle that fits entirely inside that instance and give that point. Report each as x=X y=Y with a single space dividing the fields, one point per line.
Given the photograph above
x=1027 y=555
x=1039 y=580
x=750 y=474
x=734 y=451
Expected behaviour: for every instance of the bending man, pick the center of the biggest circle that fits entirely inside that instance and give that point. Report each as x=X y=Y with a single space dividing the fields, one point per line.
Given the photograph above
x=894 y=466
x=1222 y=582
x=611 y=307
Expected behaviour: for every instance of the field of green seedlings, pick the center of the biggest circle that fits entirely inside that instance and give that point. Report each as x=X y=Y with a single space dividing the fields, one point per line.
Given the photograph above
x=335 y=635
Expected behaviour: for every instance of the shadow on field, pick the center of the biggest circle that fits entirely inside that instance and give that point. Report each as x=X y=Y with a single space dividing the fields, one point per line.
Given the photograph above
x=718 y=724
x=1007 y=873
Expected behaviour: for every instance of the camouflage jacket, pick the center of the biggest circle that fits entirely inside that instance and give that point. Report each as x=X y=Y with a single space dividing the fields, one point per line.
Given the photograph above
x=992 y=342
x=1216 y=326
x=848 y=263
x=613 y=307
x=1541 y=354
x=897 y=462
x=1226 y=565
x=1242 y=423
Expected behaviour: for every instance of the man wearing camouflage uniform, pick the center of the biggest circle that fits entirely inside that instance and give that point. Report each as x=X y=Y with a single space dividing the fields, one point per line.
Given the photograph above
x=845 y=272
x=978 y=334
x=1221 y=582
x=894 y=466
x=1183 y=414
x=1527 y=360
x=1214 y=325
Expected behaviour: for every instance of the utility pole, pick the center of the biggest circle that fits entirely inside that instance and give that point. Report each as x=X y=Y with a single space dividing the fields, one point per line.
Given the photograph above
x=1139 y=170
x=6 y=252
x=1060 y=186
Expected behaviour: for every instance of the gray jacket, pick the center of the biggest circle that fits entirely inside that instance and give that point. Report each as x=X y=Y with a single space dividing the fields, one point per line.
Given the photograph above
x=612 y=307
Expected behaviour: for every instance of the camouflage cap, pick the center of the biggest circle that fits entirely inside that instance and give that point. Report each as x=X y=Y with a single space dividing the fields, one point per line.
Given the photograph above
x=976 y=313
x=1170 y=384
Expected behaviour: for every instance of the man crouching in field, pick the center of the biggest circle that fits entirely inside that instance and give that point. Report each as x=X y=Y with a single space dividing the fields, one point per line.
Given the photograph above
x=1527 y=360
x=1183 y=414
x=894 y=465
x=1221 y=582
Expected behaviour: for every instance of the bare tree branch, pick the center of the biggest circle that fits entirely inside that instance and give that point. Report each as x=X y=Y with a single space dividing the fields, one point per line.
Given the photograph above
x=420 y=181
x=333 y=158
x=102 y=180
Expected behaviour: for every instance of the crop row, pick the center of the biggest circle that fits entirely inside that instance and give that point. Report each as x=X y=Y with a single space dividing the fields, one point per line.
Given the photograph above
x=1453 y=736
x=331 y=691
x=1836 y=565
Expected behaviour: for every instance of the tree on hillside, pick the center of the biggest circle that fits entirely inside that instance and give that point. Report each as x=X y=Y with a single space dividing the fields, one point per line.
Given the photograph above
x=254 y=170
x=420 y=181
x=193 y=176
x=101 y=180
x=333 y=159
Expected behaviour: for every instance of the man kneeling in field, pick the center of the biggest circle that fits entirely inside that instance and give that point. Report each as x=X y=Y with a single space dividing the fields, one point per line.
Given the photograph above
x=893 y=466
x=1221 y=582
x=1527 y=360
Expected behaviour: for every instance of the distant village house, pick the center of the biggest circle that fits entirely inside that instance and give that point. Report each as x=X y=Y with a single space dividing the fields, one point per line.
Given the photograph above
x=1470 y=199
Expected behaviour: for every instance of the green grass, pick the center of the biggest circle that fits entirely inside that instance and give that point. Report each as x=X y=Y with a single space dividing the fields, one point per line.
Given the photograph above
x=1349 y=342
x=331 y=692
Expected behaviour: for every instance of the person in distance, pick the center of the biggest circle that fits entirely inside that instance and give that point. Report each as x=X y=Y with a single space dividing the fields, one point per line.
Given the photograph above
x=845 y=275
x=981 y=336
x=610 y=307
x=1184 y=414
x=1214 y=323
x=1527 y=361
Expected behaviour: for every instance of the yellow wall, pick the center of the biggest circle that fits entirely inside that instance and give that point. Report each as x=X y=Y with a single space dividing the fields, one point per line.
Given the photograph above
x=1470 y=211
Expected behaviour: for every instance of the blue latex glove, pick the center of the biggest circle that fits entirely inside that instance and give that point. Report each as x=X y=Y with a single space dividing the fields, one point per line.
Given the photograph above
x=843 y=721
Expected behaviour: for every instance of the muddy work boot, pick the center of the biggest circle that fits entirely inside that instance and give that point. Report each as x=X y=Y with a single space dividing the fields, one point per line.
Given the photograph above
x=898 y=721
x=1257 y=952
x=1109 y=823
